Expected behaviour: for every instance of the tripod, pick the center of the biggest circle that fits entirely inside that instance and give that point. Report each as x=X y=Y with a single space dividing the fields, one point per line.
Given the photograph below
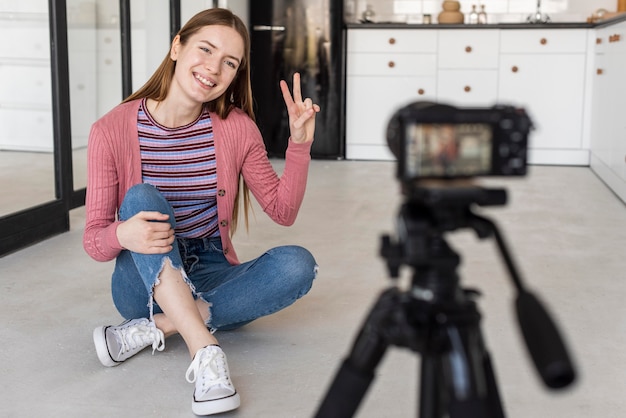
x=439 y=320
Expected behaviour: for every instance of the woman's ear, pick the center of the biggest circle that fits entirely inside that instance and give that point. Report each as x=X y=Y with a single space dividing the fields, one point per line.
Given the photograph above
x=175 y=47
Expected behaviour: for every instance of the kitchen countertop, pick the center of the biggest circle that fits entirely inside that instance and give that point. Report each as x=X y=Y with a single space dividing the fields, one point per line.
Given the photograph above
x=523 y=25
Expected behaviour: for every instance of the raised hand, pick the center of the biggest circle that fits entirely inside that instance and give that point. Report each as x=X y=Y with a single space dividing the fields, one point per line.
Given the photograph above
x=301 y=112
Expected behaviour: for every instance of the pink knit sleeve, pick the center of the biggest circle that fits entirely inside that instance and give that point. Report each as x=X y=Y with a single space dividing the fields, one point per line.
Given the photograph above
x=242 y=150
x=100 y=239
x=280 y=197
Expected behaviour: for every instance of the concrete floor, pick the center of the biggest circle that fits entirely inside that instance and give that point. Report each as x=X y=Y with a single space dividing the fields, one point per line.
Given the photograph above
x=566 y=229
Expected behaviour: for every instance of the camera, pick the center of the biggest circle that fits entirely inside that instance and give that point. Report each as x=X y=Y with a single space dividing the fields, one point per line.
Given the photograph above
x=440 y=141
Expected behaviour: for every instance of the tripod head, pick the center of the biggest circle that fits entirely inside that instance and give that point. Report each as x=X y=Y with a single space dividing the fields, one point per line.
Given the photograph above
x=426 y=214
x=424 y=217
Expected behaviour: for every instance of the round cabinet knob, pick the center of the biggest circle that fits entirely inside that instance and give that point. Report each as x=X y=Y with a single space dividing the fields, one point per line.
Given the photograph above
x=514 y=69
x=543 y=41
x=420 y=92
x=392 y=41
x=598 y=41
x=391 y=64
x=599 y=71
x=468 y=49
x=467 y=89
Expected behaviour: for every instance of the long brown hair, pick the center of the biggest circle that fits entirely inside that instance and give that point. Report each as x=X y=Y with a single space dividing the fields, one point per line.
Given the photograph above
x=238 y=94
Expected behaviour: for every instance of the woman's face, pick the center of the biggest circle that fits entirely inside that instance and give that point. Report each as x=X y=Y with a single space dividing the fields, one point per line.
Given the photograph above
x=206 y=64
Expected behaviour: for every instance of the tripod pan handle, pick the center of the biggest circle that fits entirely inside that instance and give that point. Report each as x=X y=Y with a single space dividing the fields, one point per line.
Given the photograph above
x=544 y=342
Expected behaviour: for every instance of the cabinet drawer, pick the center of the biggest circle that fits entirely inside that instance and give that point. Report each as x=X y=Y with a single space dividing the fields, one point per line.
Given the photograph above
x=468 y=87
x=391 y=65
x=551 y=89
x=468 y=49
x=543 y=41
x=31 y=6
x=28 y=85
x=392 y=40
x=601 y=40
x=611 y=39
x=28 y=40
x=24 y=129
x=83 y=40
x=370 y=103
x=108 y=40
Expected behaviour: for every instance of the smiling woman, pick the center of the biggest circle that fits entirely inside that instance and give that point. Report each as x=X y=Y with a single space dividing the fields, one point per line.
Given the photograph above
x=165 y=168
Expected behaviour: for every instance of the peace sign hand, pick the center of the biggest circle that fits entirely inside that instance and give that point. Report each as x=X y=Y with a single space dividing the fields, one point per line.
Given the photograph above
x=301 y=112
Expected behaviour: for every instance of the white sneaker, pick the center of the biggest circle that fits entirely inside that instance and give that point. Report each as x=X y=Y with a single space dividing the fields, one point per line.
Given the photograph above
x=214 y=392
x=114 y=344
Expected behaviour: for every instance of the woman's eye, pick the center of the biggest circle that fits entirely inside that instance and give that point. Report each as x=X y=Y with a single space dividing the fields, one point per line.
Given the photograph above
x=205 y=49
x=231 y=64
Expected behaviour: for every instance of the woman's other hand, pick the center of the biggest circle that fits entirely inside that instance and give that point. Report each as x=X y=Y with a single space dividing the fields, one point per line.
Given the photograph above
x=146 y=233
x=301 y=112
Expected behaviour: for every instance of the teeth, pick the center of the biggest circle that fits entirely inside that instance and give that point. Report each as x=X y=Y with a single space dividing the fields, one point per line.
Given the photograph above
x=204 y=81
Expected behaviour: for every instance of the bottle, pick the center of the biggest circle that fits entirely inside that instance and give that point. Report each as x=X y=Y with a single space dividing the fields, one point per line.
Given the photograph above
x=349 y=10
x=482 y=15
x=368 y=14
x=473 y=16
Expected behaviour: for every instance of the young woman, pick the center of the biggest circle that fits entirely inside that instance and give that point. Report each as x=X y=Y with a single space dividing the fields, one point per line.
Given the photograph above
x=167 y=170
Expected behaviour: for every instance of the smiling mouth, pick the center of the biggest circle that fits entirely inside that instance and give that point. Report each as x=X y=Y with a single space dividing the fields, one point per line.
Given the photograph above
x=204 y=81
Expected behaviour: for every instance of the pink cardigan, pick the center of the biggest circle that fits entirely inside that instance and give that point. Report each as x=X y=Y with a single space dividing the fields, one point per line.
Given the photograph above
x=114 y=165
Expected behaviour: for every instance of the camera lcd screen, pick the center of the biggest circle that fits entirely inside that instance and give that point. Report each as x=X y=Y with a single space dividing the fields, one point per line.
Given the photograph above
x=448 y=150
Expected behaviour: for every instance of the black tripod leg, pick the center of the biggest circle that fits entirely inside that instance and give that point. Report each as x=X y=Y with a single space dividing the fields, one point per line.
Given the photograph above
x=495 y=404
x=430 y=387
x=357 y=371
x=345 y=393
x=468 y=381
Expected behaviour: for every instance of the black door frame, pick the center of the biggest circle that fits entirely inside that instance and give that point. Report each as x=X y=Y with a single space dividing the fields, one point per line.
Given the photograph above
x=31 y=225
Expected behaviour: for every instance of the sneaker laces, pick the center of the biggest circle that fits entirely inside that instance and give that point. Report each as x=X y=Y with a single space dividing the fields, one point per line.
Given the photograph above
x=210 y=365
x=140 y=335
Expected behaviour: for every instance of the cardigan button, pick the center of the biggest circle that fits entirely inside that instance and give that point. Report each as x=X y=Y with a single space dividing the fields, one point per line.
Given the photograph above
x=225 y=251
x=221 y=192
x=224 y=223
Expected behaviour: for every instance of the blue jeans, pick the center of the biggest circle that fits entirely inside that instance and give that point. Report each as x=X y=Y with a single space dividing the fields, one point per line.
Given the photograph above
x=237 y=294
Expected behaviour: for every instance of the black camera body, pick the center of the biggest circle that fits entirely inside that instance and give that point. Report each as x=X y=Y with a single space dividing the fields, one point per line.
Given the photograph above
x=438 y=141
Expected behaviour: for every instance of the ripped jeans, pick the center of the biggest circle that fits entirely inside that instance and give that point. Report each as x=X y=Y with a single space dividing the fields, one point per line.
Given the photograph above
x=237 y=294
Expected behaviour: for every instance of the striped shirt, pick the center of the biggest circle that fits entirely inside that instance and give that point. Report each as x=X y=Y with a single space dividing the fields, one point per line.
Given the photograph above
x=180 y=163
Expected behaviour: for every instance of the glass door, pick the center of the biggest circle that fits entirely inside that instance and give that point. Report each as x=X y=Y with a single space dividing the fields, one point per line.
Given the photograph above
x=36 y=171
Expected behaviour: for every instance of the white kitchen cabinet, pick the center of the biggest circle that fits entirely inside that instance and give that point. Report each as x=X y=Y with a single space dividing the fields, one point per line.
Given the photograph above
x=608 y=137
x=25 y=96
x=544 y=72
x=386 y=69
x=467 y=63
